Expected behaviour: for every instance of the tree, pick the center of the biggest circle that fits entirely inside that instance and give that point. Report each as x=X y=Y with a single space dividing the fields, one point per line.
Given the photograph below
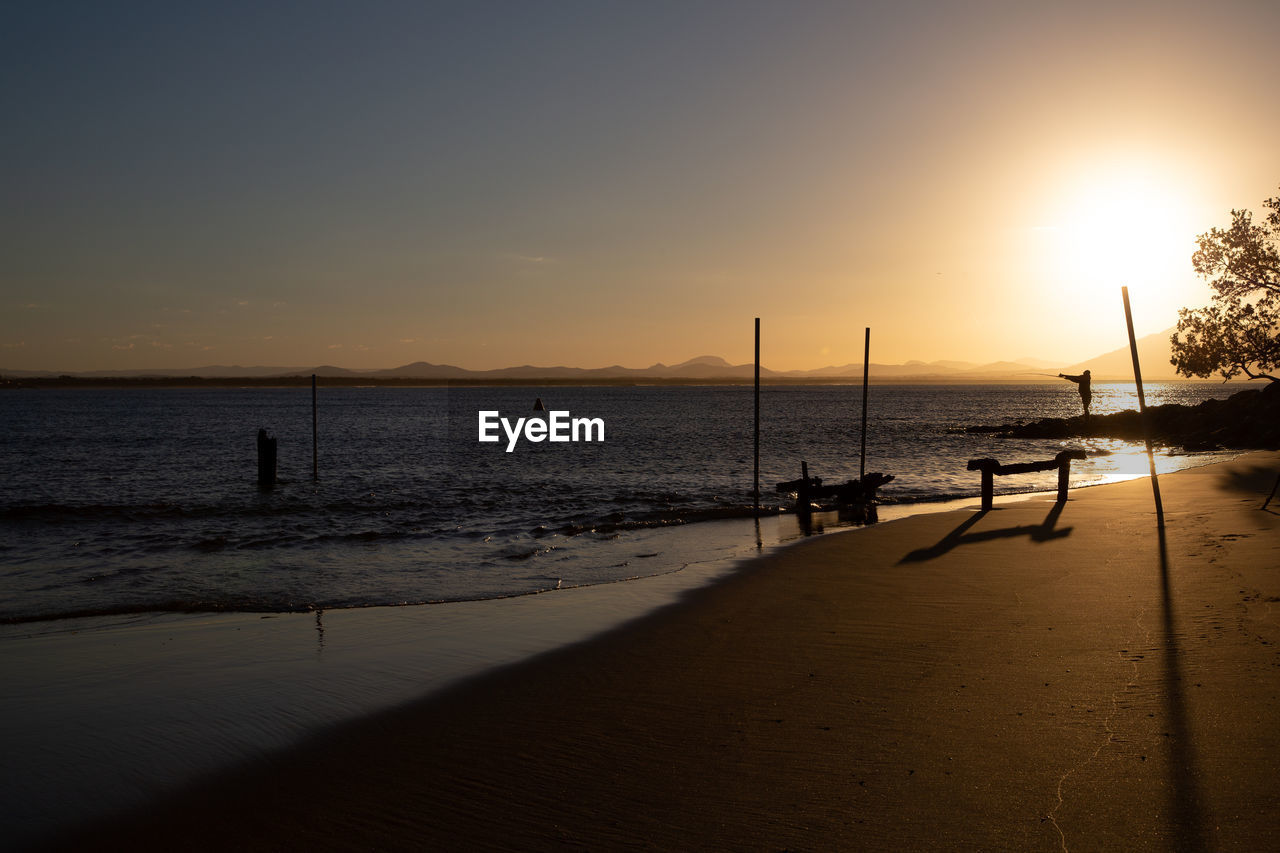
x=1240 y=331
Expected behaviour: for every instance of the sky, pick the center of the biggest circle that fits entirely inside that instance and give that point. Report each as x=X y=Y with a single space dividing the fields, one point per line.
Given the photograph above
x=490 y=184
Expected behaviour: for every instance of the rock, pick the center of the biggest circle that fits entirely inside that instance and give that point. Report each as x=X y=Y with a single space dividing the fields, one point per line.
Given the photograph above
x=1247 y=419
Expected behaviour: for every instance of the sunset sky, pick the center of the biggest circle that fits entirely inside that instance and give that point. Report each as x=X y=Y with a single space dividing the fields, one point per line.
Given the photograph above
x=591 y=183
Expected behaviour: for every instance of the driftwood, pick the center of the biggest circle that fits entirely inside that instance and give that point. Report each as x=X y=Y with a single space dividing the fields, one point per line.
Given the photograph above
x=991 y=468
x=851 y=493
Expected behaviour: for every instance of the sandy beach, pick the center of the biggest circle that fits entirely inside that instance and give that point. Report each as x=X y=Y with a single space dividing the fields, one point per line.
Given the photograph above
x=1084 y=676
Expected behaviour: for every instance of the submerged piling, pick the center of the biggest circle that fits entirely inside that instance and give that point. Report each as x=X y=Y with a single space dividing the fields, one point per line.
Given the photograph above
x=266 y=460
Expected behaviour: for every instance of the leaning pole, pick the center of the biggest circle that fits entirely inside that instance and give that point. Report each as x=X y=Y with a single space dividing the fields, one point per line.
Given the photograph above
x=1142 y=403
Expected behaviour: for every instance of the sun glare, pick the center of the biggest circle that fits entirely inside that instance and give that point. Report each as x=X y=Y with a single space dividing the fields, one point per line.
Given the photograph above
x=1115 y=229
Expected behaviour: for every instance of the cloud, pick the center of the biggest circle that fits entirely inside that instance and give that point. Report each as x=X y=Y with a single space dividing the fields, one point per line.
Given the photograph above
x=408 y=340
x=17 y=345
x=335 y=346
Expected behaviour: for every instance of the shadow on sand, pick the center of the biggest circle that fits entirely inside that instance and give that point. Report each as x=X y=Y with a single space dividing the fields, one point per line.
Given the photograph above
x=1260 y=480
x=1045 y=531
x=1186 y=803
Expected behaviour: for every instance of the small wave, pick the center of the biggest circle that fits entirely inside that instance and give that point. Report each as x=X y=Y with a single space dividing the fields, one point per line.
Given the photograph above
x=55 y=512
x=615 y=522
x=143 y=608
x=518 y=556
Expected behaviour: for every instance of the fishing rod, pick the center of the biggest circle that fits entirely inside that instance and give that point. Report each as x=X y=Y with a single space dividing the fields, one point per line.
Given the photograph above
x=1030 y=373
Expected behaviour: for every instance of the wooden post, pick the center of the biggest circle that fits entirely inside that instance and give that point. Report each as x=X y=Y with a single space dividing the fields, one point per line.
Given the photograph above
x=266 y=460
x=1142 y=404
x=757 y=420
x=1064 y=475
x=866 y=370
x=803 y=494
x=315 y=433
x=988 y=488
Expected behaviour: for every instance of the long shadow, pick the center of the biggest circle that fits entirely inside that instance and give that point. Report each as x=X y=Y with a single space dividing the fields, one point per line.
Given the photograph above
x=1254 y=480
x=1261 y=480
x=1045 y=531
x=1186 y=805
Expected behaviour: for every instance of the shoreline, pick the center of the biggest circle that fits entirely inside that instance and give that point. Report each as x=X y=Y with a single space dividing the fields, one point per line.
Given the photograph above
x=777 y=529
x=663 y=681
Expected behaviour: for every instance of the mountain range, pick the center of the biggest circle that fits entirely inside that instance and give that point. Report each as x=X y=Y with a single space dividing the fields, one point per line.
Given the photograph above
x=1153 y=352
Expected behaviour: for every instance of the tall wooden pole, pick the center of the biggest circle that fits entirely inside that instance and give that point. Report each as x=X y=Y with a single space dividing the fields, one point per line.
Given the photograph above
x=757 y=420
x=1142 y=403
x=866 y=372
x=315 y=433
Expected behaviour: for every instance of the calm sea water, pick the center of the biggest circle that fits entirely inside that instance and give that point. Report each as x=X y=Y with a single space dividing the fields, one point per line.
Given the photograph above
x=138 y=501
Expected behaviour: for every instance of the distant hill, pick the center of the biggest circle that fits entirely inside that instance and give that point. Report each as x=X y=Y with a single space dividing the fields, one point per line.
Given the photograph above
x=229 y=371
x=1154 y=352
x=703 y=360
x=1155 y=355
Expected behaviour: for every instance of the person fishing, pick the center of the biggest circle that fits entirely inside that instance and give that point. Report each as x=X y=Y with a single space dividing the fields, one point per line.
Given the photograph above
x=1085 y=394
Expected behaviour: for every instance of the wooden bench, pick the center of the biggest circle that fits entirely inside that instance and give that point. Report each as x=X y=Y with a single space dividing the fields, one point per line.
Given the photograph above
x=991 y=467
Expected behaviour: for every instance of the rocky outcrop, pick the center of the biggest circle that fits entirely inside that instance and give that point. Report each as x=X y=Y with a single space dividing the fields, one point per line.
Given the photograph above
x=1248 y=419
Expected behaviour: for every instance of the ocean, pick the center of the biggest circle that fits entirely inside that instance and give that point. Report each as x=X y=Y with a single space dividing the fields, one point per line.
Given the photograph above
x=162 y=618
x=145 y=501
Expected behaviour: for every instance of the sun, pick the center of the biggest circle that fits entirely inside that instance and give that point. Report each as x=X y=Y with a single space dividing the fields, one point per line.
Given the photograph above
x=1119 y=227
x=1125 y=230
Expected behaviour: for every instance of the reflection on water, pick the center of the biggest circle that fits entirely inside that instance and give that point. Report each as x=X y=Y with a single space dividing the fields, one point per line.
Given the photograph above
x=1112 y=397
x=1126 y=461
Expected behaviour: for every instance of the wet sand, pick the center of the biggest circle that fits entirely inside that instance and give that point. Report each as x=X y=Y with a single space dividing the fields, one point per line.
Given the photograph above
x=1037 y=677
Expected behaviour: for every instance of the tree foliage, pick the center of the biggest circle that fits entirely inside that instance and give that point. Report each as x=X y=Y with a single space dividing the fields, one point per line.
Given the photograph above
x=1240 y=331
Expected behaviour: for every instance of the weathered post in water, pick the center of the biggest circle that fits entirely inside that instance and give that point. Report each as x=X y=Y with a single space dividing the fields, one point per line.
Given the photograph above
x=757 y=421
x=1142 y=404
x=804 y=495
x=266 y=460
x=315 y=433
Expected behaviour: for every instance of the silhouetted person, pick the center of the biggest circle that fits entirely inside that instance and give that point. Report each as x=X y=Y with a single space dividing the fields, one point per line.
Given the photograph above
x=1085 y=394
